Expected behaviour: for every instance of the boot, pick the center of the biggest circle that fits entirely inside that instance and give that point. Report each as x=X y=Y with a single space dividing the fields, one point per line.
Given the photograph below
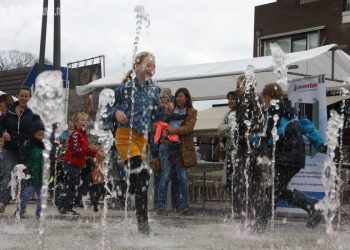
x=301 y=200
x=298 y=199
x=315 y=218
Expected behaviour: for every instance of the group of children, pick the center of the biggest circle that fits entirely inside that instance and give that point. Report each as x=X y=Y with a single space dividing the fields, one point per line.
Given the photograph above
x=75 y=155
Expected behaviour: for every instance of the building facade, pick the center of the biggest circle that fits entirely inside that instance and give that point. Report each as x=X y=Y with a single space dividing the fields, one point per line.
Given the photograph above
x=298 y=25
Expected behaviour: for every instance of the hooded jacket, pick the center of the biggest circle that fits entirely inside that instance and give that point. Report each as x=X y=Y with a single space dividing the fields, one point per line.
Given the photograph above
x=17 y=126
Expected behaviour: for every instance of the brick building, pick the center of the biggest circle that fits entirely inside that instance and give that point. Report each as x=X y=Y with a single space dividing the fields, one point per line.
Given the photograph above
x=298 y=25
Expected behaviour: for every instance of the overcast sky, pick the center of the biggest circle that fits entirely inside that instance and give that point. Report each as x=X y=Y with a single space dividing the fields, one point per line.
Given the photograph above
x=181 y=32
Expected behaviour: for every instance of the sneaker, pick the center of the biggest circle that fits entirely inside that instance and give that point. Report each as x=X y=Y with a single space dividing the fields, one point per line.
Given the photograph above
x=260 y=226
x=185 y=212
x=144 y=229
x=2 y=208
x=70 y=213
x=314 y=219
x=95 y=208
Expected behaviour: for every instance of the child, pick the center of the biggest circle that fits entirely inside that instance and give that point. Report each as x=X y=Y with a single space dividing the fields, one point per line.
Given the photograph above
x=97 y=188
x=30 y=154
x=74 y=161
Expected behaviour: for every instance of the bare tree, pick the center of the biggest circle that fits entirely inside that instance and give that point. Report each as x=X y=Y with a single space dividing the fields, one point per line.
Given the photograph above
x=4 y=62
x=14 y=59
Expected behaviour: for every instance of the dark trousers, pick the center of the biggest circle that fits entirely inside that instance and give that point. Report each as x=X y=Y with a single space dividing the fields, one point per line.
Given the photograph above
x=67 y=189
x=84 y=186
x=139 y=187
x=10 y=159
x=96 y=192
x=295 y=198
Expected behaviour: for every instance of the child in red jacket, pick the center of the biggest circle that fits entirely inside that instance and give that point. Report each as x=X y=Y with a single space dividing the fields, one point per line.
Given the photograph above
x=74 y=161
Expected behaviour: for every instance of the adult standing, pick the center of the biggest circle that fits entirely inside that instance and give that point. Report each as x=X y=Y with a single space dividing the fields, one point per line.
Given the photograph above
x=136 y=108
x=178 y=156
x=226 y=143
x=15 y=129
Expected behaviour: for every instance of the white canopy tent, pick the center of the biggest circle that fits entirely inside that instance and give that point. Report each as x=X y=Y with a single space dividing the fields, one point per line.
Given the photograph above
x=210 y=81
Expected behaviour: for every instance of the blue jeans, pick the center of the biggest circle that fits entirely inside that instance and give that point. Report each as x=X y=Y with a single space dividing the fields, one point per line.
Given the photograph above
x=171 y=165
x=26 y=195
x=156 y=180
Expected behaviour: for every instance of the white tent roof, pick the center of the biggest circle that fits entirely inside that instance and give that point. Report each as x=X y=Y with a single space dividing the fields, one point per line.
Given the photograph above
x=210 y=119
x=213 y=80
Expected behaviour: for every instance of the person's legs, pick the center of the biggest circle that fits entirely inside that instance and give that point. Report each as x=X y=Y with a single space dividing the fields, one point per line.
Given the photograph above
x=156 y=176
x=70 y=185
x=141 y=186
x=26 y=195
x=37 y=190
x=182 y=179
x=165 y=173
x=84 y=185
x=175 y=203
x=94 y=196
x=10 y=160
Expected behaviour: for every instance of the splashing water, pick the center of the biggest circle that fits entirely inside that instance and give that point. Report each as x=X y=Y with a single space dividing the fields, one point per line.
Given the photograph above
x=331 y=180
x=48 y=102
x=141 y=18
x=105 y=138
x=17 y=175
x=279 y=64
x=343 y=92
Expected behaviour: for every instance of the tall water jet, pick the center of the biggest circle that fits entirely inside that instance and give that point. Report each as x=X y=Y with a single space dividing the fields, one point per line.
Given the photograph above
x=331 y=180
x=280 y=70
x=141 y=18
x=48 y=103
x=105 y=138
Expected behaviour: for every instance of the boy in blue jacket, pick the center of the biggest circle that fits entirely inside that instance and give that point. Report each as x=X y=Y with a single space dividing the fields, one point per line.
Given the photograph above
x=287 y=165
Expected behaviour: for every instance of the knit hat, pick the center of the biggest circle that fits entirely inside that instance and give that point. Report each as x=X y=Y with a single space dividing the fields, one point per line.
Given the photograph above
x=37 y=125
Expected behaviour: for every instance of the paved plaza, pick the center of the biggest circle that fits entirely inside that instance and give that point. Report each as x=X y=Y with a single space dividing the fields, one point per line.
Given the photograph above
x=199 y=230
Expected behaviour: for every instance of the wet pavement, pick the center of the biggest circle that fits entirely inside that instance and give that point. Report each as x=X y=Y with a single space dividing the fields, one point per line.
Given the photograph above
x=201 y=229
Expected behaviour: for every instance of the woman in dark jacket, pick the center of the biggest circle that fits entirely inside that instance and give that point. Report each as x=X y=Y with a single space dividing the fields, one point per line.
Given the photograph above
x=15 y=129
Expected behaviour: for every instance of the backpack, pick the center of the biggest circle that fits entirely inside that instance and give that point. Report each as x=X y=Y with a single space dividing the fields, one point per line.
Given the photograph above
x=290 y=147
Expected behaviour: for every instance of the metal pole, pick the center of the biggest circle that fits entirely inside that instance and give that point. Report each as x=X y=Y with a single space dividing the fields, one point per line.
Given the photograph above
x=43 y=37
x=57 y=35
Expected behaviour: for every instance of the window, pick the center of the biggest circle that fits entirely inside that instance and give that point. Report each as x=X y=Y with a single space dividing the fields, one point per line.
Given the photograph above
x=284 y=43
x=293 y=43
x=299 y=43
x=347 y=7
x=307 y=1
